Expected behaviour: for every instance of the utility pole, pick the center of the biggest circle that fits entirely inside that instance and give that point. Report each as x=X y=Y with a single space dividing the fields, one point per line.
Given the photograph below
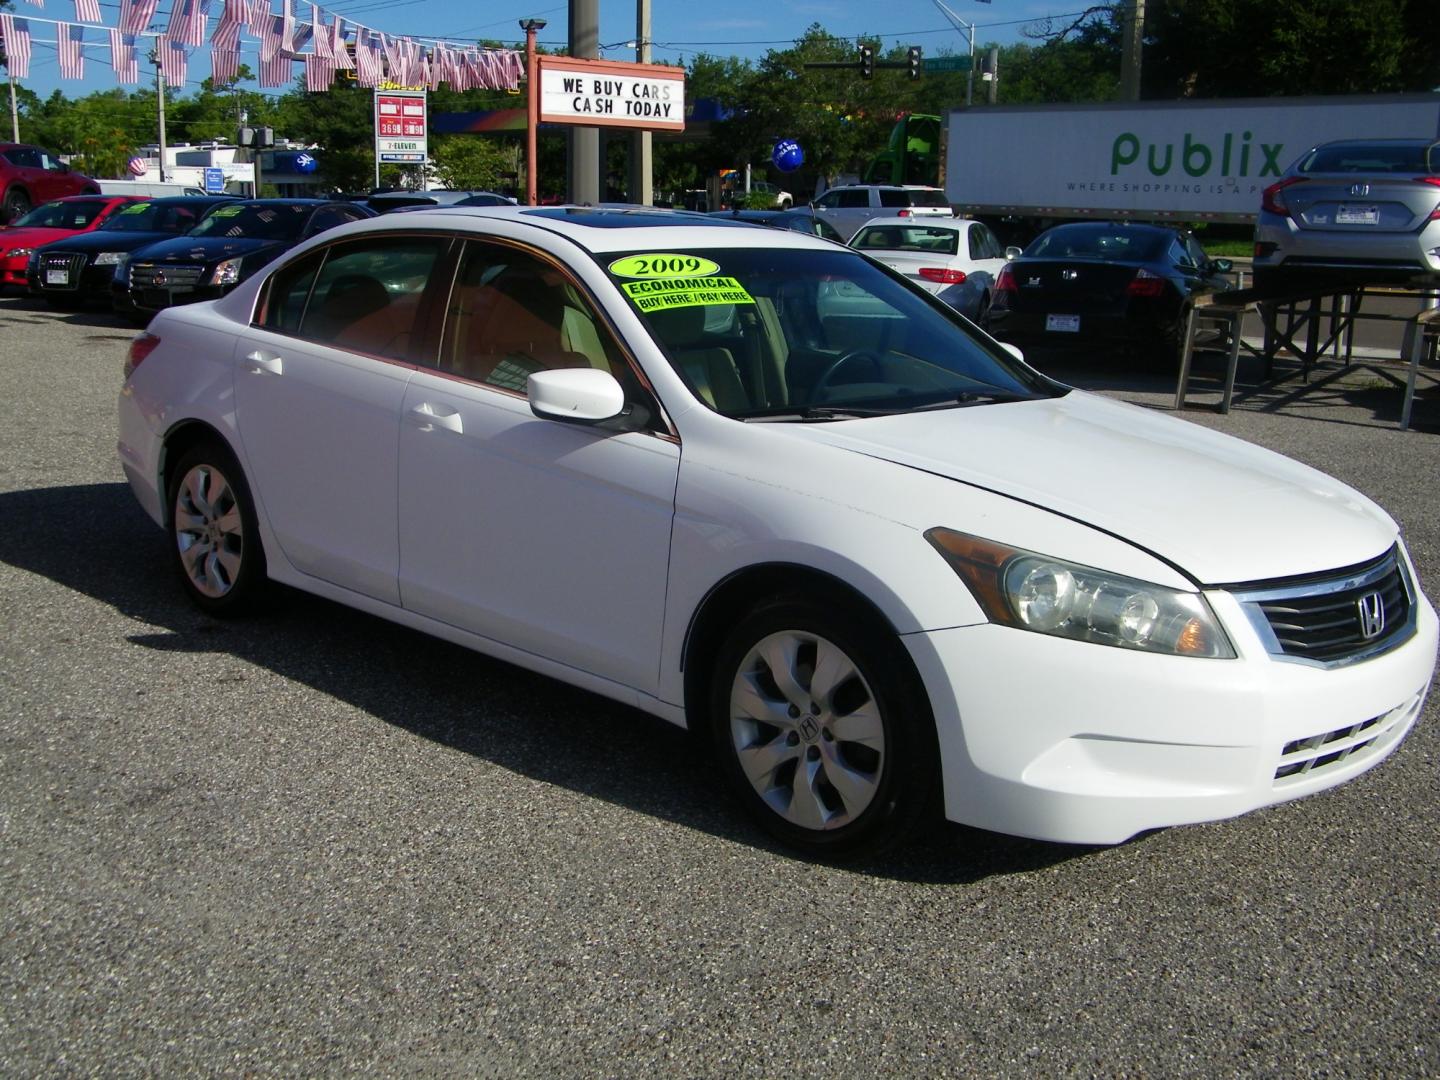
x=584 y=142
x=14 y=114
x=993 y=63
x=1131 y=45
x=160 y=101
x=642 y=146
x=532 y=110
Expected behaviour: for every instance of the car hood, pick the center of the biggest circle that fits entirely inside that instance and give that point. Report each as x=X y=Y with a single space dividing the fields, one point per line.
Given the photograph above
x=10 y=239
x=1217 y=508
x=101 y=240
x=191 y=249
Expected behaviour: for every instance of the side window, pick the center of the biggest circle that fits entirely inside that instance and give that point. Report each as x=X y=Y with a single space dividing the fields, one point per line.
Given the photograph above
x=327 y=218
x=23 y=157
x=367 y=294
x=853 y=200
x=1196 y=251
x=511 y=314
x=287 y=292
x=830 y=200
x=894 y=198
x=1178 y=255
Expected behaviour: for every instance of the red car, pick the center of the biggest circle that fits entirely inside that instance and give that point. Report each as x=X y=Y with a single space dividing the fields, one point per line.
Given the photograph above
x=53 y=221
x=30 y=176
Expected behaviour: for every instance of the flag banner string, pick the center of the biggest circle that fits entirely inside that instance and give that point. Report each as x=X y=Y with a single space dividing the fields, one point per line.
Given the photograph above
x=336 y=43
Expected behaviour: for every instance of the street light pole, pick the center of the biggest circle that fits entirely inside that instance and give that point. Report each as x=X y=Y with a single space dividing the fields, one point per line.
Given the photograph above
x=160 y=101
x=532 y=107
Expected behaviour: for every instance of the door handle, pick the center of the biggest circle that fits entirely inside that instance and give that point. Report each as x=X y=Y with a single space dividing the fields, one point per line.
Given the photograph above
x=261 y=364
x=428 y=417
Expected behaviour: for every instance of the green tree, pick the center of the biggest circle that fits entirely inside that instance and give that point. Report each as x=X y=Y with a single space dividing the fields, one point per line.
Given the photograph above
x=471 y=162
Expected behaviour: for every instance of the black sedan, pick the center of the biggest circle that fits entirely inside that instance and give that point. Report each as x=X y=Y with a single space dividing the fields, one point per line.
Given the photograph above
x=1102 y=284
x=803 y=221
x=80 y=269
x=223 y=250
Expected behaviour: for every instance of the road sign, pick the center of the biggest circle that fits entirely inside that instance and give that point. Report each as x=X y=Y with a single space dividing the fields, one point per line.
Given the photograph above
x=215 y=181
x=935 y=65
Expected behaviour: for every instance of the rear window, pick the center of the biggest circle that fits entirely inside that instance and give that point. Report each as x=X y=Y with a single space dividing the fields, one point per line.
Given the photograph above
x=1379 y=157
x=928 y=198
x=1120 y=244
x=919 y=238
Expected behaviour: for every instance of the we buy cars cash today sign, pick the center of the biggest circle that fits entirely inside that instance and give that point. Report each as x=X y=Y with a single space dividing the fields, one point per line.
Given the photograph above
x=606 y=93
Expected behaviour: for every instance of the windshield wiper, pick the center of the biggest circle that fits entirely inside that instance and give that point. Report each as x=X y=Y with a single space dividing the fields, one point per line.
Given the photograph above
x=976 y=397
x=819 y=412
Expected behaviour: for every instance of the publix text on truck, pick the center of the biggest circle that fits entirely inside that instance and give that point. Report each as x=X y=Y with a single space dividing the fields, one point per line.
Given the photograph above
x=1191 y=160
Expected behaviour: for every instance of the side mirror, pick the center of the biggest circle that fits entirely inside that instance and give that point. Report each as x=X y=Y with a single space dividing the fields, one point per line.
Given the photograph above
x=576 y=395
x=1222 y=266
x=1012 y=253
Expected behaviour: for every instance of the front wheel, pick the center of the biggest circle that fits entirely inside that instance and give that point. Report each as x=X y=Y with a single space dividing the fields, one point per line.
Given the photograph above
x=215 y=539
x=823 y=730
x=16 y=205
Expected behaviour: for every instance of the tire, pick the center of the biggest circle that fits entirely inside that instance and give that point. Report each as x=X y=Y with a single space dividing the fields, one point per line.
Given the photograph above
x=214 y=535
x=16 y=205
x=846 y=774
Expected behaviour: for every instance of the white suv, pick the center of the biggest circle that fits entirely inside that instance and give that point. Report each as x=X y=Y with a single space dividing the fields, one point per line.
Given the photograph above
x=849 y=207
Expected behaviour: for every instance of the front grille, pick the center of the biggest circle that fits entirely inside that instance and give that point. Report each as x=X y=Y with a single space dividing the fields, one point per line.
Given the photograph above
x=164 y=276
x=71 y=262
x=1306 y=757
x=1335 y=618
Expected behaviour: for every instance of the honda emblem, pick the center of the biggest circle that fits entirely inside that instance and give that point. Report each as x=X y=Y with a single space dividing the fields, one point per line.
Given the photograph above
x=1371 y=610
x=1359 y=190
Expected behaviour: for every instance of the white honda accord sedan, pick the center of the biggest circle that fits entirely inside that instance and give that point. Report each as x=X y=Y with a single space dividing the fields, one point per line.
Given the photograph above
x=763 y=487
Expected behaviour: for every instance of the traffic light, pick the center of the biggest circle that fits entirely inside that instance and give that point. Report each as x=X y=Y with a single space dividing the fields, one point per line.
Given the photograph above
x=914 y=57
x=867 y=61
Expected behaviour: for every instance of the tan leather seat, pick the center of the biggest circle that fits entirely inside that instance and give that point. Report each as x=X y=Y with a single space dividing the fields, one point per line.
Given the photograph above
x=708 y=368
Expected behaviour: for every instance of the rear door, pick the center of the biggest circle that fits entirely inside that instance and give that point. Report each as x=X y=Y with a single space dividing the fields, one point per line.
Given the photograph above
x=319 y=383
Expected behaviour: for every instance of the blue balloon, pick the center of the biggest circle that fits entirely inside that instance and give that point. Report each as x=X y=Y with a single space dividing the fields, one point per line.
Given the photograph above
x=787 y=155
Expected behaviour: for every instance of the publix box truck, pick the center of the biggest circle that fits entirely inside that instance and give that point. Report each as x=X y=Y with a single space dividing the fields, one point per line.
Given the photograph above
x=1156 y=160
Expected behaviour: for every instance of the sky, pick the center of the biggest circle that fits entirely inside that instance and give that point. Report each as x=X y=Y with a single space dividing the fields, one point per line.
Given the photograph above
x=681 y=29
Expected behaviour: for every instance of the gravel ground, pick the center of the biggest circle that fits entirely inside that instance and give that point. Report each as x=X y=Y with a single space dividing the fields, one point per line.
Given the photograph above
x=314 y=843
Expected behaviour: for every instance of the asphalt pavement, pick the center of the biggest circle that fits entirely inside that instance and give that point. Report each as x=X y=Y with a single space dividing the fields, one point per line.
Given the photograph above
x=313 y=843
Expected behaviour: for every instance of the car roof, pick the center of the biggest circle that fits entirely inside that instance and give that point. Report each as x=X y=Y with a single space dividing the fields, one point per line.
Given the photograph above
x=605 y=229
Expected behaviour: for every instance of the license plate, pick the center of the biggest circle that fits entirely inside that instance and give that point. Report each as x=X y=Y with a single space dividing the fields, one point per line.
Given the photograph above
x=1357 y=215
x=1069 y=324
x=57 y=277
x=155 y=298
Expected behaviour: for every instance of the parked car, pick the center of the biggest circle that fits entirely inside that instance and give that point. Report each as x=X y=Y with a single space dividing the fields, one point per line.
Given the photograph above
x=45 y=224
x=803 y=221
x=1102 y=285
x=80 y=269
x=30 y=176
x=878 y=563
x=955 y=259
x=224 y=249
x=385 y=201
x=1359 y=211
x=850 y=206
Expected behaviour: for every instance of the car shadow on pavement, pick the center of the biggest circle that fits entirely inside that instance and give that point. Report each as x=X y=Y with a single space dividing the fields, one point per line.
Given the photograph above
x=523 y=722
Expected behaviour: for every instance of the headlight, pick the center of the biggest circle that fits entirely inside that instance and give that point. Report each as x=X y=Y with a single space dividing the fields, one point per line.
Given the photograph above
x=19 y=253
x=227 y=273
x=1051 y=596
x=111 y=258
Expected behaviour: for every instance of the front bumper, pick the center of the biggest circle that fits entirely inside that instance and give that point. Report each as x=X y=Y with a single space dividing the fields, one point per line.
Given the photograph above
x=1093 y=744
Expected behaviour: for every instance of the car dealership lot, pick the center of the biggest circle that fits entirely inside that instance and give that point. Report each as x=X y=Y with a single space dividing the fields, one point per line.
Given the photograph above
x=314 y=841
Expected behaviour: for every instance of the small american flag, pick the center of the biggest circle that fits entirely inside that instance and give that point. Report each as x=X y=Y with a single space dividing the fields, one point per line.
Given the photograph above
x=172 y=59
x=70 y=41
x=319 y=73
x=135 y=15
x=275 y=71
x=15 y=33
x=122 y=57
x=87 y=11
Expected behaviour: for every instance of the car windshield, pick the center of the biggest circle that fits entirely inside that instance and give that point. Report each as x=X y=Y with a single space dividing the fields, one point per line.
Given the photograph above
x=804 y=334
x=1111 y=243
x=153 y=217
x=1380 y=157
x=63 y=215
x=928 y=240
x=260 y=221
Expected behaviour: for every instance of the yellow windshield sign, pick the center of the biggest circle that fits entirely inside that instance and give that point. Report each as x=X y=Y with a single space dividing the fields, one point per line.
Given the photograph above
x=663 y=265
x=664 y=293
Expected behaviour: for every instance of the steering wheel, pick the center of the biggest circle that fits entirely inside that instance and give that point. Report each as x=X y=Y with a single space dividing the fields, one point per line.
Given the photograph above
x=828 y=375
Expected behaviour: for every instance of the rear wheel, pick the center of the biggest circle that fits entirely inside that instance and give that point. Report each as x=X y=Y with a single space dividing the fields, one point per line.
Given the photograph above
x=823 y=730
x=215 y=540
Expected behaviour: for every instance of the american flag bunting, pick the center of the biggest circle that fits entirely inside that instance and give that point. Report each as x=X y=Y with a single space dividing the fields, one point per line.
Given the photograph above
x=122 y=57
x=87 y=11
x=70 y=43
x=15 y=32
